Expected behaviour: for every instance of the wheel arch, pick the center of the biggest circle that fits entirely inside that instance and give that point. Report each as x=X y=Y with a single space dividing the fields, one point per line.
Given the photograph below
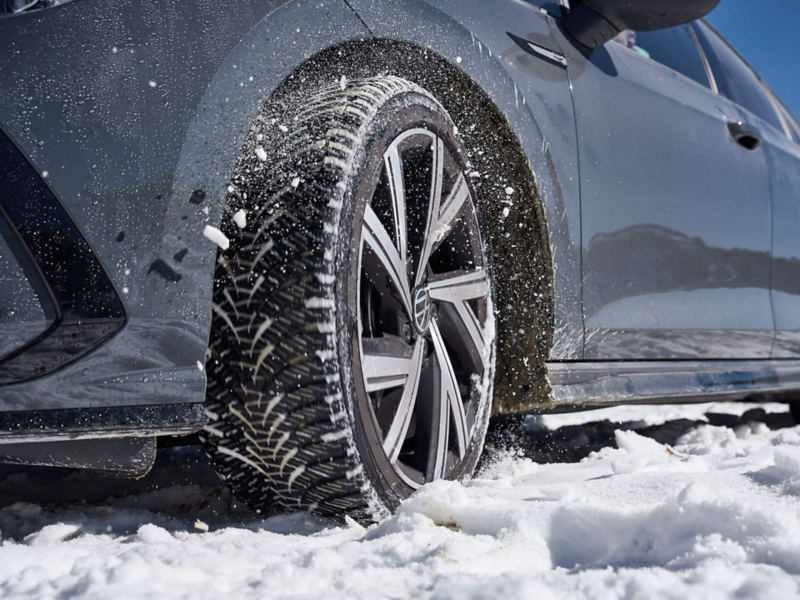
x=246 y=79
x=486 y=107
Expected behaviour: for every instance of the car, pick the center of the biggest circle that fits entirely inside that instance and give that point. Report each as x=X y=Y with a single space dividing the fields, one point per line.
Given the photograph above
x=336 y=237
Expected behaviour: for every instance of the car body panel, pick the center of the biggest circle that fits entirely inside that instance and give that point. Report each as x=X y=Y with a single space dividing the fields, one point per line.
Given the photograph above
x=136 y=112
x=126 y=108
x=762 y=114
x=534 y=95
x=784 y=157
x=676 y=223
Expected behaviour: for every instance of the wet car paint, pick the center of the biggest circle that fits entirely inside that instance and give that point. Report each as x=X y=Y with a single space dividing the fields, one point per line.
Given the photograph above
x=137 y=115
x=137 y=112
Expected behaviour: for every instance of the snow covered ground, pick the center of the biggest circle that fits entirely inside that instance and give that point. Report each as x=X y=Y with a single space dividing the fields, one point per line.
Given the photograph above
x=713 y=514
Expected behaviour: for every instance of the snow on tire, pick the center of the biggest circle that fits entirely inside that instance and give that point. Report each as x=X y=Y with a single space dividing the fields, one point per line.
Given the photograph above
x=352 y=348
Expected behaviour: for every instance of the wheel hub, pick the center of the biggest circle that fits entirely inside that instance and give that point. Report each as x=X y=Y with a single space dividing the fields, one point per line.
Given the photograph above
x=422 y=310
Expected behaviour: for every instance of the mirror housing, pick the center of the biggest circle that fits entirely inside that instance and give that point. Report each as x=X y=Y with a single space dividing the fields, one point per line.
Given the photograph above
x=594 y=22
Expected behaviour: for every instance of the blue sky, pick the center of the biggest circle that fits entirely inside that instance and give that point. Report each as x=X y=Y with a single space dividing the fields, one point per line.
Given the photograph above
x=767 y=34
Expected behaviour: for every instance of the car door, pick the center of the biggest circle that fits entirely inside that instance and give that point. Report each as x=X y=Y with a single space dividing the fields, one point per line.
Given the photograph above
x=675 y=213
x=785 y=172
x=773 y=125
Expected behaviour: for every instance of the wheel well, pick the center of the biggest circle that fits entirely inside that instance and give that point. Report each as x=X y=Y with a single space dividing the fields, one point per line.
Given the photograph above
x=518 y=242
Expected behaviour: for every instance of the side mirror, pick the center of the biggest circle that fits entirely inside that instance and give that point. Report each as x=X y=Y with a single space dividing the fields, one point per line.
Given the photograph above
x=594 y=22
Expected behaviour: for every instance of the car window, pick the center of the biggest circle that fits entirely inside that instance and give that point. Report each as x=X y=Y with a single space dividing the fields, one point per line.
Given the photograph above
x=674 y=48
x=735 y=80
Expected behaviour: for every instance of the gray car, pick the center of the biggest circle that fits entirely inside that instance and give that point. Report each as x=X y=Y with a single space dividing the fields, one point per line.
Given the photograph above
x=335 y=237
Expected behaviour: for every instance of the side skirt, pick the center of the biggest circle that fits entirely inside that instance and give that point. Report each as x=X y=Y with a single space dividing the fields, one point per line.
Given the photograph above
x=591 y=385
x=101 y=423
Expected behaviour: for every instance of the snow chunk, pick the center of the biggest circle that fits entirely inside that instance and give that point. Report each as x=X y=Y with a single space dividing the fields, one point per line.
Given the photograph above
x=52 y=534
x=343 y=83
x=153 y=534
x=198 y=524
x=240 y=218
x=261 y=153
x=216 y=236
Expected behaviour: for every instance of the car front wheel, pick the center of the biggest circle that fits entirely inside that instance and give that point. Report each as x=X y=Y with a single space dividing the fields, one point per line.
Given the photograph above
x=352 y=347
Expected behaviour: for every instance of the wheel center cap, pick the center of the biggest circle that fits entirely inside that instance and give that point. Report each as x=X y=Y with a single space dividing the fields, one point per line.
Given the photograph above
x=421 y=306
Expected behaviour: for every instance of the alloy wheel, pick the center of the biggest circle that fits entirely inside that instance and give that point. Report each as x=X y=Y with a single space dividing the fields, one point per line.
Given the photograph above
x=423 y=307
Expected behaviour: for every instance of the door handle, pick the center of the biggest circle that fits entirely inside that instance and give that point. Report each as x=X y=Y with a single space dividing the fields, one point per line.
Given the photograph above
x=745 y=135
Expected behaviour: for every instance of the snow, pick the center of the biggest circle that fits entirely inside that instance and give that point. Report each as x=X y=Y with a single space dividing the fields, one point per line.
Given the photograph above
x=240 y=218
x=216 y=236
x=713 y=514
x=652 y=415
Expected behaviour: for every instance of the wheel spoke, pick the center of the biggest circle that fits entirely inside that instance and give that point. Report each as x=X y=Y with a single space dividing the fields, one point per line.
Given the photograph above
x=432 y=225
x=394 y=169
x=434 y=423
x=394 y=438
x=450 y=398
x=450 y=208
x=376 y=237
x=387 y=362
x=457 y=289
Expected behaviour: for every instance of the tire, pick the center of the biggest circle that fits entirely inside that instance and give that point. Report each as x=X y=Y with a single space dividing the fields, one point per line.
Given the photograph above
x=342 y=377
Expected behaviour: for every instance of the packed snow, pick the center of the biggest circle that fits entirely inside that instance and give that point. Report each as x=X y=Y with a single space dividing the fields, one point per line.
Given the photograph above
x=677 y=502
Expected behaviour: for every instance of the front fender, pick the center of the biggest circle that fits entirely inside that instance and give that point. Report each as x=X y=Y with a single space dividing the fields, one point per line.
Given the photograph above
x=534 y=96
